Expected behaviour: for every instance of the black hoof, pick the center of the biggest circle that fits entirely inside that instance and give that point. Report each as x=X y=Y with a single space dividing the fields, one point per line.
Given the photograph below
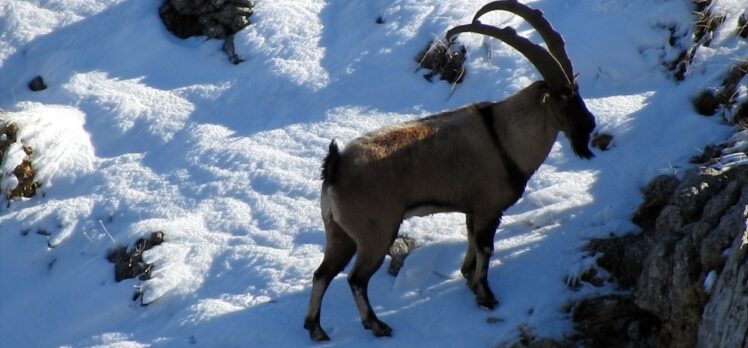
x=488 y=303
x=378 y=328
x=315 y=332
x=386 y=331
x=319 y=336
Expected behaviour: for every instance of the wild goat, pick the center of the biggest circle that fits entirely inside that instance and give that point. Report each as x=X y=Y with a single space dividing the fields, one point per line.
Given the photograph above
x=475 y=160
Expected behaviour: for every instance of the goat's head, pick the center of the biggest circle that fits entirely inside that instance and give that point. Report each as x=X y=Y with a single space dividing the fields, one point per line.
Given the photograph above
x=553 y=64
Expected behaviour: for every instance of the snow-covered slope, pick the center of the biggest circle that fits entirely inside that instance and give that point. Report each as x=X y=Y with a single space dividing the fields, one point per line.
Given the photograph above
x=140 y=131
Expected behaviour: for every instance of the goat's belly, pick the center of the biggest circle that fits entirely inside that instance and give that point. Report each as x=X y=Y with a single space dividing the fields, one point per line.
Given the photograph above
x=427 y=209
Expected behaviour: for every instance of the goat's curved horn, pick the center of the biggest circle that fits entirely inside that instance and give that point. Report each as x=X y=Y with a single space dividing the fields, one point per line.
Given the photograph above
x=547 y=65
x=552 y=38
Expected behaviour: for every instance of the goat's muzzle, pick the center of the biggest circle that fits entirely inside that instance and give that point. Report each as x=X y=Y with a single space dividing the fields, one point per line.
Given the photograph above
x=579 y=127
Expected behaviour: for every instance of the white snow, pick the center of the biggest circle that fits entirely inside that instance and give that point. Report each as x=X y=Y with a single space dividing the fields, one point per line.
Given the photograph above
x=709 y=280
x=61 y=146
x=738 y=142
x=12 y=158
x=139 y=131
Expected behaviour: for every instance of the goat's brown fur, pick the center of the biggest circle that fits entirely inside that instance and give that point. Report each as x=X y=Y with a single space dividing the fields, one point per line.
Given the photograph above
x=397 y=138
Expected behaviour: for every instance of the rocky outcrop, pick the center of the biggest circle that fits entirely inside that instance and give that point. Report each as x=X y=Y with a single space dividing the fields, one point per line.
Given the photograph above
x=727 y=98
x=129 y=263
x=440 y=58
x=686 y=272
x=709 y=101
x=705 y=23
x=725 y=317
x=215 y=19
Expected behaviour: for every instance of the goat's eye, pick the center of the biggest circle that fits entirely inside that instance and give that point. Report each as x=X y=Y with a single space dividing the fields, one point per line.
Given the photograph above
x=567 y=96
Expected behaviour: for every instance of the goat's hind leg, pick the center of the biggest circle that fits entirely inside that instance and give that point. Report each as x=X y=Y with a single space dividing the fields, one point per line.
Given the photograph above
x=370 y=256
x=339 y=250
x=468 y=263
x=483 y=230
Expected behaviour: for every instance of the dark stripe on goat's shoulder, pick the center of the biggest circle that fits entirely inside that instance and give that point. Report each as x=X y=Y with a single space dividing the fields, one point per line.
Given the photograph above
x=486 y=115
x=517 y=178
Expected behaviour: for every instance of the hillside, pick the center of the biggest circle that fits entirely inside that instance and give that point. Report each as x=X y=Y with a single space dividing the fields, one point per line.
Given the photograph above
x=138 y=131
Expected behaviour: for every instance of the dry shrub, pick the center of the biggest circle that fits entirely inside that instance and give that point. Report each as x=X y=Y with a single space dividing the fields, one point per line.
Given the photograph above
x=24 y=172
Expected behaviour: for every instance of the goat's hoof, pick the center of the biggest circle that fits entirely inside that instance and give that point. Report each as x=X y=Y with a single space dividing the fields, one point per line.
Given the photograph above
x=378 y=328
x=385 y=331
x=318 y=335
x=488 y=303
x=315 y=332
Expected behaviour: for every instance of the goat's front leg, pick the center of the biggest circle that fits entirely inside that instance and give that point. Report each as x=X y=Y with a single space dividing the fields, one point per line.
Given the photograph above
x=483 y=231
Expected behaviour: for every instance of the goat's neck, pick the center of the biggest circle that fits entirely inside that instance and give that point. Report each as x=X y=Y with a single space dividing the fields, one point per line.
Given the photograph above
x=528 y=136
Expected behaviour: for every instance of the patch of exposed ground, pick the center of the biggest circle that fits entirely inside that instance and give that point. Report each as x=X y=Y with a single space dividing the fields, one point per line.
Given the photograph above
x=128 y=261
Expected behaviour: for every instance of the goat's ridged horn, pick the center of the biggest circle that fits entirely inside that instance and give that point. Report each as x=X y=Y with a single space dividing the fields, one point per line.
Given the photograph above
x=547 y=65
x=552 y=38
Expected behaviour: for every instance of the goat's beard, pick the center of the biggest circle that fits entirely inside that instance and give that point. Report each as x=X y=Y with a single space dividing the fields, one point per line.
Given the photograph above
x=580 y=145
x=579 y=125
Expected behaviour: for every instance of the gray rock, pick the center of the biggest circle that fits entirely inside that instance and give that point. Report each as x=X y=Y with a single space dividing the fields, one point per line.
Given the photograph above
x=698 y=234
x=37 y=84
x=725 y=316
x=399 y=250
x=656 y=195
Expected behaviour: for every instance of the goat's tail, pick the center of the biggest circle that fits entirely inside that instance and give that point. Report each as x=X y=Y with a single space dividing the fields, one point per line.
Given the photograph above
x=330 y=163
